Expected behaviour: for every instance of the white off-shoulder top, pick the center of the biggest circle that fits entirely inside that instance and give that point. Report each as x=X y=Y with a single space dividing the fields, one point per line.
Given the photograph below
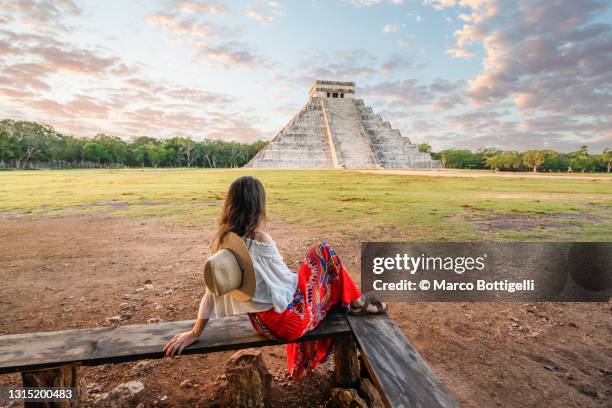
x=275 y=285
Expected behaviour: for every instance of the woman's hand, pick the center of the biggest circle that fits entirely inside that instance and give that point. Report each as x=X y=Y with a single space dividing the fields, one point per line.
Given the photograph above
x=179 y=342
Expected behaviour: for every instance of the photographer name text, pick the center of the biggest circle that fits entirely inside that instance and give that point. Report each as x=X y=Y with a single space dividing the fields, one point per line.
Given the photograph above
x=442 y=285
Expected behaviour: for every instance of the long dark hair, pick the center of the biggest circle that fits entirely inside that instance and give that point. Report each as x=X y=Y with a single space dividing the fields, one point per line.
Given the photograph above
x=244 y=208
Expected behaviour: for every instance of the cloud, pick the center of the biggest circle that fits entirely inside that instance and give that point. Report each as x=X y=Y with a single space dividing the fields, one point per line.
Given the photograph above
x=533 y=46
x=35 y=60
x=183 y=26
x=44 y=15
x=368 y=3
x=406 y=40
x=229 y=54
x=32 y=76
x=442 y=4
x=80 y=106
x=444 y=86
x=342 y=65
x=460 y=53
x=480 y=120
x=256 y=15
x=79 y=61
x=273 y=10
x=400 y=92
x=390 y=28
x=417 y=17
x=201 y=7
x=394 y=63
x=212 y=45
x=140 y=106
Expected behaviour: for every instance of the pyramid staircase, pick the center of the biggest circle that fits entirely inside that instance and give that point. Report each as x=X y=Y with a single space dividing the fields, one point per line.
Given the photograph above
x=348 y=135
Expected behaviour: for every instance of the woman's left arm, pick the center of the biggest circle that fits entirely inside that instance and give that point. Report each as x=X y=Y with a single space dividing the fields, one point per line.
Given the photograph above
x=182 y=340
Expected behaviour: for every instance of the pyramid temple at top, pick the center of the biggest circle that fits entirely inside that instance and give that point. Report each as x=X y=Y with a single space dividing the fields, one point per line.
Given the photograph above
x=336 y=130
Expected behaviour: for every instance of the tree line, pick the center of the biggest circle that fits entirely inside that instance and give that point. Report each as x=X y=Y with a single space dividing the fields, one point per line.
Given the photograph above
x=531 y=160
x=32 y=145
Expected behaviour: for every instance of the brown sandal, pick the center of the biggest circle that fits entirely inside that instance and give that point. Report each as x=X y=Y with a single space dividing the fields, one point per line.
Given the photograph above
x=367 y=301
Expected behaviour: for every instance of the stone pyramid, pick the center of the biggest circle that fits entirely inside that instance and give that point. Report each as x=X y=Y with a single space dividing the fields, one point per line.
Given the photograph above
x=336 y=130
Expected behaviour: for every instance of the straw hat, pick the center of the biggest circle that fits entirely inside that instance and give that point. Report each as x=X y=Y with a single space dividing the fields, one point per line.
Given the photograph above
x=230 y=269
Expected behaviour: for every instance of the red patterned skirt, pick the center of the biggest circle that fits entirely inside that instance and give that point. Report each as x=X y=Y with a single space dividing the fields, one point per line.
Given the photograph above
x=323 y=283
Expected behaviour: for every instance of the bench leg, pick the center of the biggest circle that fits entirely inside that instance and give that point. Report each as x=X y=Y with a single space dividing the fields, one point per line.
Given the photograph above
x=248 y=380
x=346 y=373
x=65 y=376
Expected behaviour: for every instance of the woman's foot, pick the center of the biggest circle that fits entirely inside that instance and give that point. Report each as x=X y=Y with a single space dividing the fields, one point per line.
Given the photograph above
x=367 y=305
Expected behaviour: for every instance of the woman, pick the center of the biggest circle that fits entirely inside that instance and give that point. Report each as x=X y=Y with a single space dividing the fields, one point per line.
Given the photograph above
x=285 y=305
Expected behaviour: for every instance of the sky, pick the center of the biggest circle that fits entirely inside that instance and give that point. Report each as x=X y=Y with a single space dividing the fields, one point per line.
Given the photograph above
x=511 y=74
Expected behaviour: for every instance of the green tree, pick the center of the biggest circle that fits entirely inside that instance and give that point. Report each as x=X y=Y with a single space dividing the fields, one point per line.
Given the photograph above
x=173 y=155
x=140 y=155
x=117 y=149
x=157 y=154
x=425 y=148
x=606 y=158
x=555 y=161
x=188 y=148
x=96 y=152
x=68 y=149
x=508 y=160
x=534 y=159
x=460 y=159
x=582 y=161
x=485 y=155
x=9 y=147
x=494 y=162
x=35 y=140
x=143 y=141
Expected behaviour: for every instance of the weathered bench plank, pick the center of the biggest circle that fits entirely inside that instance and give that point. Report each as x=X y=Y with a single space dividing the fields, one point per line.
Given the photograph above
x=395 y=366
x=35 y=351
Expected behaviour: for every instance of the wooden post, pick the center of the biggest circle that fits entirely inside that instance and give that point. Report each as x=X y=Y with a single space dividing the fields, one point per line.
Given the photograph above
x=346 y=372
x=248 y=380
x=68 y=376
x=370 y=394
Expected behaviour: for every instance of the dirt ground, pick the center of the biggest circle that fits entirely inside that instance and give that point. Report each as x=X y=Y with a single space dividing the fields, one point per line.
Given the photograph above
x=75 y=272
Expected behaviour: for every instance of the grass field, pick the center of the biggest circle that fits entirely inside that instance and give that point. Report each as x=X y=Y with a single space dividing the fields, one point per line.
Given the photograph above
x=363 y=205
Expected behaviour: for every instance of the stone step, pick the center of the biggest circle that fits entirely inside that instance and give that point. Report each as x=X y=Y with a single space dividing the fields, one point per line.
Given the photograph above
x=299 y=139
x=297 y=164
x=350 y=141
x=281 y=154
x=390 y=147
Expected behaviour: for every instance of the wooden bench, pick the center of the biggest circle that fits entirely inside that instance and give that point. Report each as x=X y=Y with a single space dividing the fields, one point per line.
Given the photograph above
x=400 y=374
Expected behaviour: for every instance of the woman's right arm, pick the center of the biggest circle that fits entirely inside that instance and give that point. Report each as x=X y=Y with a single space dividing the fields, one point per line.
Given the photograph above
x=178 y=343
x=199 y=325
x=182 y=340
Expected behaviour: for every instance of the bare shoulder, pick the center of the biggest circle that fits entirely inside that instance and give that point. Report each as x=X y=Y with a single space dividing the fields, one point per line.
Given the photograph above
x=264 y=237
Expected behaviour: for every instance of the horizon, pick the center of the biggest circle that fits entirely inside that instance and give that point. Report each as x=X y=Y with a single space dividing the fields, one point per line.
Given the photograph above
x=527 y=75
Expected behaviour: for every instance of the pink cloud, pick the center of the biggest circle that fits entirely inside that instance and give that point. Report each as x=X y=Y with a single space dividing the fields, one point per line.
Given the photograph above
x=203 y=7
x=182 y=26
